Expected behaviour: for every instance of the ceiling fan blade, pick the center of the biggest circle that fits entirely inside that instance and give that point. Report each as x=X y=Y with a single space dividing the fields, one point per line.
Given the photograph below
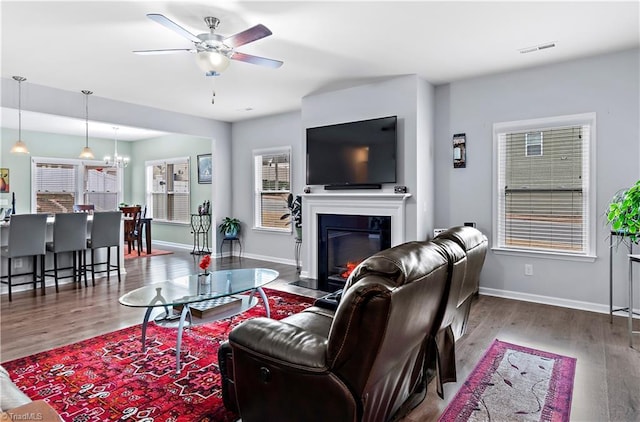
x=166 y=51
x=247 y=36
x=168 y=23
x=262 y=61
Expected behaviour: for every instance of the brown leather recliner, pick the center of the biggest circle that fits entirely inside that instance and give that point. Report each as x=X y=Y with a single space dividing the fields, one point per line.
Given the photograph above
x=466 y=248
x=363 y=363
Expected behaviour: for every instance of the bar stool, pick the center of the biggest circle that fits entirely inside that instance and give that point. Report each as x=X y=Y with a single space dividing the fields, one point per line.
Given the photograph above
x=105 y=233
x=69 y=235
x=27 y=234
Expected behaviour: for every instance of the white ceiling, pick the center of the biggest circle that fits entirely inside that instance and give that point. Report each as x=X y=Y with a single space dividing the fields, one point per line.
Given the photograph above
x=324 y=45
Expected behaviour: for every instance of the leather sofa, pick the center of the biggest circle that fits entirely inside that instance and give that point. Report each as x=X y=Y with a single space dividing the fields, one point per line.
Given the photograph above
x=15 y=405
x=365 y=360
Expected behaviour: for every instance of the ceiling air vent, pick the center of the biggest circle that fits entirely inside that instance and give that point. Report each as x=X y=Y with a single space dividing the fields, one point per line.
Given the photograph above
x=537 y=48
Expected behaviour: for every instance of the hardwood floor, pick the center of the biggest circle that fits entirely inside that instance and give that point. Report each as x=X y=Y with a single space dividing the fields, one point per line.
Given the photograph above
x=607 y=383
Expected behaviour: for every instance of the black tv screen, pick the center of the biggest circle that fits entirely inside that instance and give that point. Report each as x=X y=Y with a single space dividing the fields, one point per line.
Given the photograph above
x=351 y=154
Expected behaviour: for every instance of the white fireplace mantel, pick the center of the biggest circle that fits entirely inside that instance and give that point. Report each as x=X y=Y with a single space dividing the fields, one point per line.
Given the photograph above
x=366 y=203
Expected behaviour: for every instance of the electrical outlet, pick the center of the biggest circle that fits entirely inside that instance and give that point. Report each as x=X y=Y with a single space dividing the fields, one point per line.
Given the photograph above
x=17 y=263
x=528 y=269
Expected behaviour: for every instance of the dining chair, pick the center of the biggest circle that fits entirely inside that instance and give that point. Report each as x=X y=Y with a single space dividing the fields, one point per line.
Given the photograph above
x=131 y=226
x=90 y=208
x=27 y=235
x=69 y=235
x=105 y=233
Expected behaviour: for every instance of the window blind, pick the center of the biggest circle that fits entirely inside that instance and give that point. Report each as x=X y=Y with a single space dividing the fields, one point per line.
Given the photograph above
x=101 y=187
x=56 y=187
x=543 y=185
x=168 y=190
x=272 y=187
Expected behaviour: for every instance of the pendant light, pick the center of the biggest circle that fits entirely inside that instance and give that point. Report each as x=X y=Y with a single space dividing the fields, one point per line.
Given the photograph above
x=86 y=151
x=19 y=147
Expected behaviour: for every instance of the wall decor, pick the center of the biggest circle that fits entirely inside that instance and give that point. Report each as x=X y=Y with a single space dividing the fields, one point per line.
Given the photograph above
x=459 y=150
x=205 y=169
x=4 y=180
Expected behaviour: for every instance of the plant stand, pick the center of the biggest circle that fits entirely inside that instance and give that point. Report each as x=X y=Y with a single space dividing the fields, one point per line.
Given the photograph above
x=296 y=252
x=200 y=226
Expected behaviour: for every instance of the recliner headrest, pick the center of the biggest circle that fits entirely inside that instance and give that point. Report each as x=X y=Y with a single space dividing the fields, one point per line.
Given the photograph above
x=467 y=237
x=402 y=264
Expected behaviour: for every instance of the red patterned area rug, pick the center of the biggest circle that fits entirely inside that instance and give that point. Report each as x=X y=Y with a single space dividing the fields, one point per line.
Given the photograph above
x=515 y=383
x=108 y=378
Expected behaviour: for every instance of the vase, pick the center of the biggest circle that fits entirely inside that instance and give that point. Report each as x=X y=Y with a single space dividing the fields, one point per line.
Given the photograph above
x=204 y=283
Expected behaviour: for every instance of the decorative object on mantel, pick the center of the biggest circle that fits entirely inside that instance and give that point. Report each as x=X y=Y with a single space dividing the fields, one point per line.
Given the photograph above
x=230 y=227
x=295 y=213
x=459 y=150
x=624 y=213
x=86 y=152
x=19 y=147
x=117 y=161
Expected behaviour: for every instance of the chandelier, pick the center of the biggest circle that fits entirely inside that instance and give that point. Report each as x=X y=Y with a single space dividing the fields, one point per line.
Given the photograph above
x=117 y=161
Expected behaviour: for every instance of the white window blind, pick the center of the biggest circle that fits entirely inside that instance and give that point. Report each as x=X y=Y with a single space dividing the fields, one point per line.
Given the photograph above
x=101 y=187
x=168 y=190
x=272 y=171
x=544 y=196
x=55 y=187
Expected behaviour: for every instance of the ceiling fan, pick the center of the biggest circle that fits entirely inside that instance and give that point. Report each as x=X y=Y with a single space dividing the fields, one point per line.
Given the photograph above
x=213 y=51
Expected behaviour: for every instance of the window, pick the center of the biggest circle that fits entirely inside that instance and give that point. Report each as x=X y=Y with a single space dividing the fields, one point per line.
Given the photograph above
x=59 y=183
x=545 y=202
x=55 y=187
x=101 y=187
x=533 y=144
x=272 y=169
x=167 y=190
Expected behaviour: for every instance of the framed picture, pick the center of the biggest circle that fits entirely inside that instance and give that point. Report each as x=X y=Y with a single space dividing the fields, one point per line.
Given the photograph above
x=4 y=180
x=205 y=169
x=459 y=150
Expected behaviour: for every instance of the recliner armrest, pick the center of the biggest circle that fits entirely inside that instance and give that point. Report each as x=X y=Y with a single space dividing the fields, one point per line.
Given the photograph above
x=281 y=342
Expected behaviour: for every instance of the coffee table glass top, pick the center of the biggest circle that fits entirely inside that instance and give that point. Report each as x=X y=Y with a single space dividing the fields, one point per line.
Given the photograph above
x=192 y=288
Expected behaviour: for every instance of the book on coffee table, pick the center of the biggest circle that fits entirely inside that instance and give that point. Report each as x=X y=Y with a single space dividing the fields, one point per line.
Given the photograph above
x=210 y=307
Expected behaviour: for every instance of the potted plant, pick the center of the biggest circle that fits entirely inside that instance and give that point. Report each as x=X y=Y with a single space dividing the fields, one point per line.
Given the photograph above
x=294 y=214
x=230 y=227
x=624 y=212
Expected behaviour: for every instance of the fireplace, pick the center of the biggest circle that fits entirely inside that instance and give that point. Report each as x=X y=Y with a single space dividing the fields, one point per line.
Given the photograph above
x=346 y=240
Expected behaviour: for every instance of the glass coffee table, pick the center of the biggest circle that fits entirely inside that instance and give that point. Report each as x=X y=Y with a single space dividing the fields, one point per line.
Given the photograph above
x=215 y=289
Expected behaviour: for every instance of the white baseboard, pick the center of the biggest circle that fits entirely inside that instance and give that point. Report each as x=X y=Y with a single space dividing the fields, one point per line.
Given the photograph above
x=554 y=301
x=173 y=245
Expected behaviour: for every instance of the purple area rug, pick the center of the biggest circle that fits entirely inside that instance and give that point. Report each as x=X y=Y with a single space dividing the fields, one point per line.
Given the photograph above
x=515 y=383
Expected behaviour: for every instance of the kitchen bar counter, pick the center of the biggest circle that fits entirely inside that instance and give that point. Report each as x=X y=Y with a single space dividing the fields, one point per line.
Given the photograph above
x=24 y=264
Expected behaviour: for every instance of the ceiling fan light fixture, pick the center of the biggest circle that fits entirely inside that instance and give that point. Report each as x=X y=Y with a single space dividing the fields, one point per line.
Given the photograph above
x=212 y=61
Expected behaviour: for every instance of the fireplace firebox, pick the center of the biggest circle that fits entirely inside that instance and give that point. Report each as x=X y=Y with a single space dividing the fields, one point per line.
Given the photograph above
x=346 y=240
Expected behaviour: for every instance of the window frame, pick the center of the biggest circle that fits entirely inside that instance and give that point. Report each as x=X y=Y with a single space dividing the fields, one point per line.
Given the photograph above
x=80 y=170
x=149 y=192
x=257 y=192
x=589 y=187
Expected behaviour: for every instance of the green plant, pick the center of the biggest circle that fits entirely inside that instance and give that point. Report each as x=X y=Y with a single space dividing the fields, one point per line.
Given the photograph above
x=624 y=212
x=229 y=226
x=295 y=211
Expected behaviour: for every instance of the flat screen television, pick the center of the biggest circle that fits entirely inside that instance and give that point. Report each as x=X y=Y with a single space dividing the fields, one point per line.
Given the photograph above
x=358 y=154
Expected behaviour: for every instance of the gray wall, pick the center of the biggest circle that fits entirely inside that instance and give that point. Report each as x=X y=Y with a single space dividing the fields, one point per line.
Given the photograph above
x=607 y=85
x=283 y=130
x=409 y=98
